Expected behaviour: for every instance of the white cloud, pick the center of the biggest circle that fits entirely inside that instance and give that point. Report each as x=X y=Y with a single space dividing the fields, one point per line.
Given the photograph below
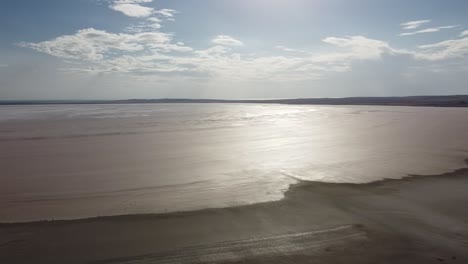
x=464 y=33
x=213 y=51
x=143 y=27
x=155 y=26
x=154 y=19
x=359 y=47
x=132 y=1
x=155 y=54
x=449 y=49
x=92 y=45
x=284 y=48
x=227 y=41
x=132 y=10
x=166 y=12
x=150 y=24
x=428 y=30
x=221 y=62
x=413 y=24
x=144 y=50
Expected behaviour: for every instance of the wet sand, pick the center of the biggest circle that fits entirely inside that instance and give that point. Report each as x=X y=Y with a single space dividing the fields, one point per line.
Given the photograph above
x=418 y=219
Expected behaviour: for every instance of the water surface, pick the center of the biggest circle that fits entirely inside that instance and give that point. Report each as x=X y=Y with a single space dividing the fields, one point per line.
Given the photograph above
x=77 y=161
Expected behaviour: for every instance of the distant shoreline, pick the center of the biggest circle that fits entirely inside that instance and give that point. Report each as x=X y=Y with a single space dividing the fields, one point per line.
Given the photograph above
x=434 y=101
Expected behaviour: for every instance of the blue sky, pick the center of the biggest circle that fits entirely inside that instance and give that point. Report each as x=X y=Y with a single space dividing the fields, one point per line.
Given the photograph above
x=106 y=49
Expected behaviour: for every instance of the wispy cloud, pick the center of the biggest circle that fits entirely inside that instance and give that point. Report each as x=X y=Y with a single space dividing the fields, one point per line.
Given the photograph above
x=132 y=8
x=143 y=27
x=156 y=54
x=359 y=48
x=428 y=30
x=284 y=48
x=3 y=65
x=464 y=33
x=154 y=19
x=145 y=50
x=98 y=51
x=92 y=44
x=227 y=41
x=166 y=12
x=414 y=24
x=448 y=49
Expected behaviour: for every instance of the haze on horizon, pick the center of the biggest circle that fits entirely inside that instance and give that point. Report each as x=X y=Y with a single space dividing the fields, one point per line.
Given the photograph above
x=116 y=49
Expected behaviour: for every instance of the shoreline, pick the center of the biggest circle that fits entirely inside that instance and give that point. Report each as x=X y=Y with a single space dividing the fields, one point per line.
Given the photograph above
x=424 y=100
x=461 y=172
x=388 y=221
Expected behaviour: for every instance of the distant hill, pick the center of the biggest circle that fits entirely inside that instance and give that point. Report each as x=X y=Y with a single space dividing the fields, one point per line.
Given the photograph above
x=440 y=101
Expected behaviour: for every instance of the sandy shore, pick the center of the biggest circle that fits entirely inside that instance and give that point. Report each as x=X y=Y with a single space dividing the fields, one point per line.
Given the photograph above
x=413 y=220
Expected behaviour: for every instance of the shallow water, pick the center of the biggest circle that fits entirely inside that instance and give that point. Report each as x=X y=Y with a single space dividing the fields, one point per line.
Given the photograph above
x=77 y=161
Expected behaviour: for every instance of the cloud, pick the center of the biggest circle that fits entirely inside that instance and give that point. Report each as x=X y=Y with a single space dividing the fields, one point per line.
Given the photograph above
x=166 y=12
x=92 y=45
x=227 y=41
x=448 y=49
x=413 y=24
x=145 y=54
x=132 y=10
x=150 y=24
x=155 y=54
x=154 y=19
x=143 y=27
x=3 y=65
x=464 y=33
x=132 y=1
x=221 y=62
x=143 y=50
x=360 y=47
x=428 y=30
x=284 y=48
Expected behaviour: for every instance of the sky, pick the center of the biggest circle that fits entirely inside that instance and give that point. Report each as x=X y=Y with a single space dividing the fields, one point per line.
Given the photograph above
x=231 y=49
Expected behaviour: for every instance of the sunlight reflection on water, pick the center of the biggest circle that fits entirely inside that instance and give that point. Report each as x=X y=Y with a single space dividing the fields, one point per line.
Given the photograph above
x=129 y=159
